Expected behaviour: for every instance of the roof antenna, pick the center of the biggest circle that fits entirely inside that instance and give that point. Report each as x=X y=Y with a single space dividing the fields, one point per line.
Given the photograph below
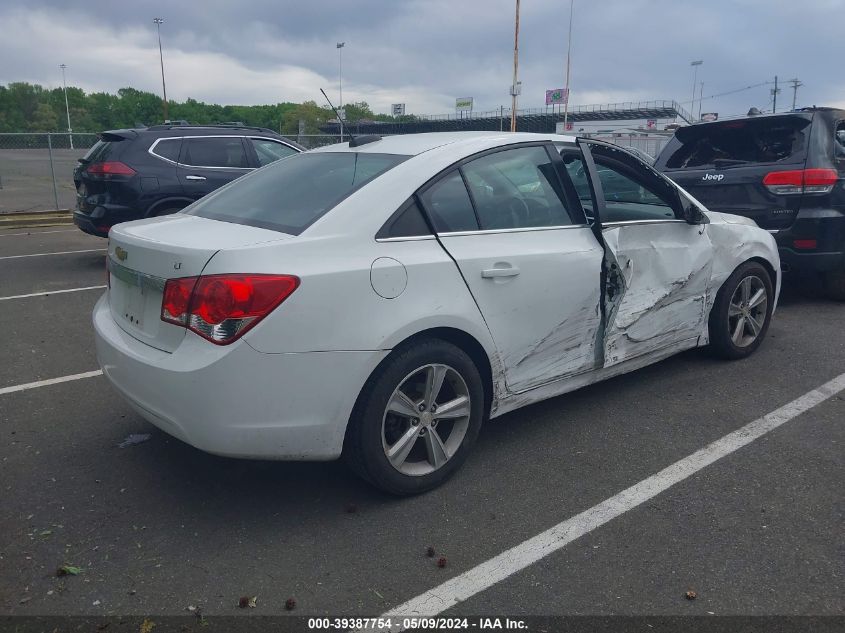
x=343 y=121
x=354 y=141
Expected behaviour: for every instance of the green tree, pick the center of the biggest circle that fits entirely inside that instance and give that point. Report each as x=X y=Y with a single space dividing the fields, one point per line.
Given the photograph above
x=313 y=115
x=44 y=119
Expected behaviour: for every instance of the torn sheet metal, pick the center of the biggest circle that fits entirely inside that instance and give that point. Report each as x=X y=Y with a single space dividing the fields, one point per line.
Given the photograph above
x=658 y=284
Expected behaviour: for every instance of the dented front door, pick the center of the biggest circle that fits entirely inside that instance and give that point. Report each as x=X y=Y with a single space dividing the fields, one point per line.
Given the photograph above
x=658 y=276
x=657 y=266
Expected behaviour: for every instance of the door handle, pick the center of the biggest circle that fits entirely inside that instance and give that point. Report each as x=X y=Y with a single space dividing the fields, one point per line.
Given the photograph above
x=194 y=177
x=492 y=273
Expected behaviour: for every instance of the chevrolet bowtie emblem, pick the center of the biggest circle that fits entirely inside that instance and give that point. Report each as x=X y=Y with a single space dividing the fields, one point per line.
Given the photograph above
x=121 y=254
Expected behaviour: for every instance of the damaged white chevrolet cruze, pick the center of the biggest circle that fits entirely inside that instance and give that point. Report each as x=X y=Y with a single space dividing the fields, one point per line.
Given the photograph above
x=379 y=299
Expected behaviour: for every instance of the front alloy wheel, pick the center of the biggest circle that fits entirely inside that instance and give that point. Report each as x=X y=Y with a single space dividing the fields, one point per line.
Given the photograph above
x=741 y=312
x=748 y=311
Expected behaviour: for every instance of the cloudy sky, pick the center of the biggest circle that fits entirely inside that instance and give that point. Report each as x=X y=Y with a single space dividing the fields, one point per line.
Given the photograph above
x=427 y=52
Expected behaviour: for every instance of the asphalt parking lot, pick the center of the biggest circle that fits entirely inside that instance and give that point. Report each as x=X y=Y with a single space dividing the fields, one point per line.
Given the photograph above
x=158 y=526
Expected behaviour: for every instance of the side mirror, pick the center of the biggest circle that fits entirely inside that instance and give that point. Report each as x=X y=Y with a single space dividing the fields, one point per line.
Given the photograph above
x=694 y=215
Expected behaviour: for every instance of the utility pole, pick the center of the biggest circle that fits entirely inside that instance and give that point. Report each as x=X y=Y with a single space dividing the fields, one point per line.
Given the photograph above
x=695 y=66
x=795 y=85
x=514 y=86
x=775 y=92
x=568 y=52
x=339 y=47
x=158 y=22
x=67 y=108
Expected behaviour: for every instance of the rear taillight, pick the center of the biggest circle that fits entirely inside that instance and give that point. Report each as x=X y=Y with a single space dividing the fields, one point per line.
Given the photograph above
x=797 y=181
x=804 y=244
x=221 y=308
x=110 y=168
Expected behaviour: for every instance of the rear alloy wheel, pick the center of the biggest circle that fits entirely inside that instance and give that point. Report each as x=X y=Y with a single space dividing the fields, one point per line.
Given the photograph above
x=740 y=316
x=417 y=419
x=834 y=285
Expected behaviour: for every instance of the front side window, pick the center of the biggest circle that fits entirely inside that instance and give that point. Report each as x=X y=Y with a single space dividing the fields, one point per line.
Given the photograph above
x=290 y=195
x=628 y=196
x=270 y=151
x=225 y=151
x=517 y=188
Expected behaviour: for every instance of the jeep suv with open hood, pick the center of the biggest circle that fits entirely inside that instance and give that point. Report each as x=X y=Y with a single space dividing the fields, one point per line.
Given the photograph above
x=784 y=171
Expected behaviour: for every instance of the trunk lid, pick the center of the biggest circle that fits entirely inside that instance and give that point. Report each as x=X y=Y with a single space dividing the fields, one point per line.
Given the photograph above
x=144 y=254
x=723 y=165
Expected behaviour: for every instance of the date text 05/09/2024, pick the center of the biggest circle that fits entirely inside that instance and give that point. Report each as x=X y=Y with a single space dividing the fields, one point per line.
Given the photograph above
x=416 y=624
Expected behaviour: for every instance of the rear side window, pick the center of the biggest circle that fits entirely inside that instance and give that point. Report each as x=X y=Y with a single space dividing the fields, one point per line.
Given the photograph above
x=167 y=148
x=270 y=151
x=745 y=141
x=449 y=206
x=290 y=195
x=226 y=151
x=839 y=141
x=408 y=221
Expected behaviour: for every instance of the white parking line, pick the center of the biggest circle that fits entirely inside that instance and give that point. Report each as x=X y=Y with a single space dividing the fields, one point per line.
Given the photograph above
x=534 y=549
x=51 y=292
x=90 y=250
x=40 y=232
x=50 y=381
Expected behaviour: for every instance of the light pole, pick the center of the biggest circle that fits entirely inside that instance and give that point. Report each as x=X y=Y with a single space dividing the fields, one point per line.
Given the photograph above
x=340 y=46
x=695 y=65
x=515 y=85
x=700 y=99
x=67 y=108
x=158 y=22
x=568 y=51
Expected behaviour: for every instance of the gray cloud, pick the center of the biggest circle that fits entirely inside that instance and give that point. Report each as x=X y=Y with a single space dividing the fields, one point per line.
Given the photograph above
x=427 y=52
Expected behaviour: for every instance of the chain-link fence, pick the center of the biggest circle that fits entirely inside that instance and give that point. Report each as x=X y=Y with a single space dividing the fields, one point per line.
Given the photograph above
x=36 y=170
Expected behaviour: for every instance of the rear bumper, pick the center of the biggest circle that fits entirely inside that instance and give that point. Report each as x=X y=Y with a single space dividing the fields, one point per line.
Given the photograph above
x=827 y=227
x=103 y=217
x=233 y=400
x=792 y=261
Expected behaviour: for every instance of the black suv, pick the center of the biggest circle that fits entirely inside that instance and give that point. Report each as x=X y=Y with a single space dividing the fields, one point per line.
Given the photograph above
x=785 y=171
x=140 y=173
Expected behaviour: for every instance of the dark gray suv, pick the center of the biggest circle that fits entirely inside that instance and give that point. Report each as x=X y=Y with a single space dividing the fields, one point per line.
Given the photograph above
x=785 y=171
x=140 y=173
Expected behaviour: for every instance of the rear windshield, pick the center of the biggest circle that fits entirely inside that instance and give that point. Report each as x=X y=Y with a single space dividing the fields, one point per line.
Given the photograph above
x=747 y=141
x=99 y=152
x=291 y=194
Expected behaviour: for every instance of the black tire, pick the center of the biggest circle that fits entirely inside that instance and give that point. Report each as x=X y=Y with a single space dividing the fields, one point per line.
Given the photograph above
x=722 y=328
x=834 y=285
x=364 y=448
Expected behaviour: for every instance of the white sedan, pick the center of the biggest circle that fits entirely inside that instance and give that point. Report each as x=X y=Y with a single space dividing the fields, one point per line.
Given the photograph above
x=381 y=298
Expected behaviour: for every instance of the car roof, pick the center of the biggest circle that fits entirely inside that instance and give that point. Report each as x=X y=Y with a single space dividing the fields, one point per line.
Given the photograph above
x=414 y=144
x=191 y=130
